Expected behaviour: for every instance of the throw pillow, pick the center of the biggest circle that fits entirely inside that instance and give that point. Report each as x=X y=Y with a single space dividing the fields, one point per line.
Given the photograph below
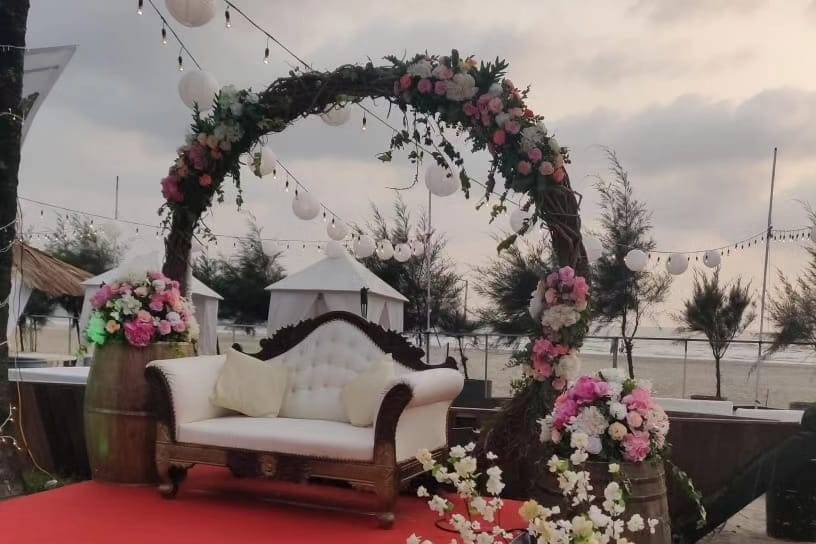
x=361 y=396
x=250 y=386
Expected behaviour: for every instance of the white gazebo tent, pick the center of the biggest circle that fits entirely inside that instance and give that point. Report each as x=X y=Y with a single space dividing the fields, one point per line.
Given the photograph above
x=205 y=301
x=332 y=284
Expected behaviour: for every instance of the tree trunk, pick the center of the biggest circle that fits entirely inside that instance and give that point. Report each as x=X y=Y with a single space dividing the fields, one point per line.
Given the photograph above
x=177 y=246
x=628 y=346
x=13 y=18
x=719 y=376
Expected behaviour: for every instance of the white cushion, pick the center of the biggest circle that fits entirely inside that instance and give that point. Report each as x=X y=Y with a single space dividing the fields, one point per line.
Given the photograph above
x=250 y=386
x=321 y=365
x=310 y=437
x=789 y=416
x=693 y=406
x=361 y=396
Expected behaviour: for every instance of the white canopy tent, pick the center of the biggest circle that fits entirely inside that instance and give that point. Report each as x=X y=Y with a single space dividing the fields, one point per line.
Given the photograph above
x=332 y=284
x=205 y=301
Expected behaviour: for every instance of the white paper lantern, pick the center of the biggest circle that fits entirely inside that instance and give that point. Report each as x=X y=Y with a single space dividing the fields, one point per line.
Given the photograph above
x=269 y=161
x=418 y=249
x=337 y=230
x=518 y=218
x=191 y=13
x=593 y=248
x=402 y=252
x=385 y=250
x=677 y=264
x=441 y=181
x=305 y=206
x=270 y=247
x=334 y=250
x=712 y=258
x=198 y=87
x=636 y=260
x=336 y=116
x=364 y=247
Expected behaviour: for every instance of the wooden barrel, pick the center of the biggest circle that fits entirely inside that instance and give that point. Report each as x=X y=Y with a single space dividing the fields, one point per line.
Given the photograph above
x=120 y=426
x=647 y=498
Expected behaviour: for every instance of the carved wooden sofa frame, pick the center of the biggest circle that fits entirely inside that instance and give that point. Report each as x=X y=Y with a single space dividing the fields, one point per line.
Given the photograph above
x=383 y=476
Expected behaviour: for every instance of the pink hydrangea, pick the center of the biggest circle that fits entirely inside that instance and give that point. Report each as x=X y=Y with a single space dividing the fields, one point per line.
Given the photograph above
x=164 y=327
x=534 y=154
x=639 y=399
x=636 y=446
x=138 y=333
x=441 y=87
x=524 y=168
x=499 y=137
x=425 y=86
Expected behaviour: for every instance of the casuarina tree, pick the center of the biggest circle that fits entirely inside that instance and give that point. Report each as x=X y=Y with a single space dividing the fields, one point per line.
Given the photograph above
x=622 y=297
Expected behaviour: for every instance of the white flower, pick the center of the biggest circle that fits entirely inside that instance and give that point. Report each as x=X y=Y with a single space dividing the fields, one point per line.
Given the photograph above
x=159 y=285
x=193 y=329
x=457 y=452
x=546 y=428
x=614 y=468
x=613 y=492
x=578 y=457
x=461 y=87
x=491 y=456
x=236 y=109
x=495 y=89
x=617 y=410
x=421 y=68
x=635 y=523
x=413 y=539
x=559 y=316
x=652 y=524
x=598 y=517
x=465 y=466
x=533 y=136
x=425 y=457
x=555 y=146
x=569 y=366
x=438 y=504
x=173 y=317
x=422 y=492
x=644 y=384
x=579 y=440
x=594 y=446
x=590 y=421
x=470 y=446
x=502 y=118
x=494 y=484
x=613 y=375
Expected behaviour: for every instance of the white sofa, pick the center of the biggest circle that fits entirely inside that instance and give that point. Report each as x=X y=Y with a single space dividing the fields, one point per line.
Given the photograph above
x=695 y=406
x=312 y=437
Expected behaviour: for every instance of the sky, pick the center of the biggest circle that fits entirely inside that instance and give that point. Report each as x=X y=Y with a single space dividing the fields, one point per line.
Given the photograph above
x=693 y=95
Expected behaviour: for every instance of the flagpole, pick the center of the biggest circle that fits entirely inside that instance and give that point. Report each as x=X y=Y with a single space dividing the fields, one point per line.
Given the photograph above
x=768 y=234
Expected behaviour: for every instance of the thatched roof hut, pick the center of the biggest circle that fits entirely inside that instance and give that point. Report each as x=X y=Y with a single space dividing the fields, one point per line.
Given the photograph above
x=39 y=271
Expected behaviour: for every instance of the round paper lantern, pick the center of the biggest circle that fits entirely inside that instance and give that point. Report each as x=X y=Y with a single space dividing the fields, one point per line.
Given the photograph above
x=336 y=116
x=636 y=260
x=402 y=252
x=385 y=250
x=364 y=247
x=270 y=247
x=337 y=230
x=441 y=181
x=418 y=249
x=305 y=206
x=191 y=13
x=518 y=218
x=677 y=264
x=593 y=248
x=269 y=161
x=334 y=250
x=712 y=258
x=198 y=87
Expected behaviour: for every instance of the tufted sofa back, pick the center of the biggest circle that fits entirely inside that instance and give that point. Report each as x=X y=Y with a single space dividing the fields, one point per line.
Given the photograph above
x=321 y=364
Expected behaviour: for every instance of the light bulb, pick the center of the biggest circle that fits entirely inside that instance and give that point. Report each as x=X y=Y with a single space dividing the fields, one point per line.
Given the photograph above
x=180 y=64
x=164 y=35
x=266 y=56
x=365 y=121
x=227 y=18
x=139 y=9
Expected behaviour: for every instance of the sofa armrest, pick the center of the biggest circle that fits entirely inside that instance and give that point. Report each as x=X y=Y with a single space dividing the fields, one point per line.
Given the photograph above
x=183 y=387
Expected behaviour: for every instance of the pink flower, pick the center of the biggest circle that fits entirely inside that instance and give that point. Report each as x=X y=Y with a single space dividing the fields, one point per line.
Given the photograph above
x=564 y=410
x=442 y=72
x=555 y=435
x=138 y=333
x=164 y=327
x=566 y=274
x=425 y=86
x=534 y=154
x=102 y=296
x=634 y=419
x=171 y=190
x=515 y=112
x=156 y=275
x=542 y=369
x=559 y=175
x=405 y=82
x=639 y=399
x=441 y=87
x=588 y=389
x=524 y=168
x=546 y=168
x=179 y=326
x=205 y=180
x=140 y=291
x=495 y=105
x=550 y=295
x=636 y=446
x=197 y=156
x=508 y=84
x=469 y=109
x=157 y=303
x=499 y=137
x=513 y=127
x=144 y=316
x=580 y=288
x=552 y=279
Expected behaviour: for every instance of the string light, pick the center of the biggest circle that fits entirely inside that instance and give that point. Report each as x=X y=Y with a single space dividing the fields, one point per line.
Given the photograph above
x=227 y=22
x=266 y=52
x=365 y=121
x=164 y=34
x=139 y=8
x=180 y=62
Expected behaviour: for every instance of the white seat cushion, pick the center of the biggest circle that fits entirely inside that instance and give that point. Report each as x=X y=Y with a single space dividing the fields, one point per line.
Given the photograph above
x=310 y=437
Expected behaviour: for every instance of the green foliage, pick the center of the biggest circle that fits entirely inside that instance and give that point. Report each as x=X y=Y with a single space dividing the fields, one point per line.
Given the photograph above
x=77 y=241
x=507 y=283
x=620 y=296
x=410 y=277
x=719 y=311
x=242 y=277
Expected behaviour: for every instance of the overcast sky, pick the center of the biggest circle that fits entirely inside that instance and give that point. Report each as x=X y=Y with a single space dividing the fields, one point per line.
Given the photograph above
x=692 y=94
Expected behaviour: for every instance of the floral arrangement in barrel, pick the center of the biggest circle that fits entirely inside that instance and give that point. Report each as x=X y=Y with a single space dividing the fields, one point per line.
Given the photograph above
x=141 y=311
x=592 y=519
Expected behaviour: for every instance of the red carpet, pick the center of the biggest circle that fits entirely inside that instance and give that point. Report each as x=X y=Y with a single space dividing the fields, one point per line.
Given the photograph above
x=212 y=507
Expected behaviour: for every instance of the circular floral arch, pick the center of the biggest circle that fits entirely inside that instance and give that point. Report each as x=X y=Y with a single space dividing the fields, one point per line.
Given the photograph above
x=434 y=93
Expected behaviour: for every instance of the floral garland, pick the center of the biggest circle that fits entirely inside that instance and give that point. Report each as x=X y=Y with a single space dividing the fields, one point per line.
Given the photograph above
x=140 y=311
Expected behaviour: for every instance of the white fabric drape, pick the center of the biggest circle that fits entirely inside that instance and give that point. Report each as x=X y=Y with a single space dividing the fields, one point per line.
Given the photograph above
x=206 y=312
x=18 y=298
x=85 y=314
x=289 y=308
x=346 y=302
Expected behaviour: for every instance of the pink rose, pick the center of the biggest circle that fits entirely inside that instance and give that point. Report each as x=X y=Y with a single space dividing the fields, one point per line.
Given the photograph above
x=425 y=86
x=140 y=291
x=197 y=156
x=543 y=370
x=469 y=109
x=139 y=334
x=144 y=316
x=171 y=189
x=552 y=279
x=179 y=326
x=495 y=105
x=513 y=127
x=634 y=420
x=205 y=180
x=164 y=327
x=524 y=168
x=405 y=82
x=636 y=446
x=580 y=288
x=559 y=175
x=546 y=168
x=157 y=303
x=639 y=399
x=534 y=154
x=102 y=296
x=441 y=87
x=550 y=295
x=515 y=112
x=499 y=137
x=566 y=274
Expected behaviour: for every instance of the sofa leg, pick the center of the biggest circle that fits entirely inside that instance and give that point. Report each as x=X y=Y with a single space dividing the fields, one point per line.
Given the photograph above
x=385 y=488
x=385 y=520
x=170 y=474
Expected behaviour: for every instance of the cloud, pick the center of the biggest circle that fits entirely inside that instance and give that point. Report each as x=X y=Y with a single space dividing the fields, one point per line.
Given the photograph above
x=670 y=11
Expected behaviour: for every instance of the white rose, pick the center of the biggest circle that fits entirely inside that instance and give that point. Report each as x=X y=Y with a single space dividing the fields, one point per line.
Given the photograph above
x=569 y=366
x=421 y=68
x=461 y=87
x=579 y=441
x=578 y=457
